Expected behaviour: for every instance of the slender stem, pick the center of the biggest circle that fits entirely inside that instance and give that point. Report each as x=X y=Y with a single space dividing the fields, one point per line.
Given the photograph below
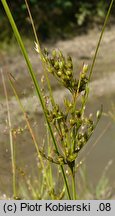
x=73 y=164
x=11 y=139
x=74 y=142
x=73 y=179
x=72 y=169
x=40 y=52
x=100 y=38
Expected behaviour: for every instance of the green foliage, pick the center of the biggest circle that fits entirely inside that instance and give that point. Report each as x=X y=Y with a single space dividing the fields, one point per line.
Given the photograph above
x=55 y=18
x=83 y=13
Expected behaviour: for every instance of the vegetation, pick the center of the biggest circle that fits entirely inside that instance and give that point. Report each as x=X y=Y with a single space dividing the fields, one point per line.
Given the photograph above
x=48 y=14
x=68 y=128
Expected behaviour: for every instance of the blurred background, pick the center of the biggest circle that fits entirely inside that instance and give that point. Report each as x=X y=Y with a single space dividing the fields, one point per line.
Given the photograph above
x=55 y=18
x=74 y=27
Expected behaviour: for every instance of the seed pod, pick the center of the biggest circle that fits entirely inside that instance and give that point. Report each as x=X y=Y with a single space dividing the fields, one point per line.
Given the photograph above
x=66 y=151
x=82 y=75
x=98 y=114
x=67 y=77
x=69 y=72
x=54 y=53
x=61 y=64
x=69 y=65
x=64 y=77
x=56 y=65
x=72 y=157
x=59 y=73
x=73 y=84
x=85 y=68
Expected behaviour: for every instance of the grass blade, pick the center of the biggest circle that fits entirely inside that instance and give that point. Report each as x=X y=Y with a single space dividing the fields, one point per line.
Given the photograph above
x=100 y=38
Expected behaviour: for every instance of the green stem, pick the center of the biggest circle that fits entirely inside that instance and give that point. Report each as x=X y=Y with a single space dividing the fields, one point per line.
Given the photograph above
x=74 y=185
x=100 y=38
x=41 y=55
x=72 y=168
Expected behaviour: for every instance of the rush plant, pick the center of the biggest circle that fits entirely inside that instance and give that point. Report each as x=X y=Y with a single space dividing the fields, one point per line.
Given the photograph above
x=71 y=126
x=68 y=126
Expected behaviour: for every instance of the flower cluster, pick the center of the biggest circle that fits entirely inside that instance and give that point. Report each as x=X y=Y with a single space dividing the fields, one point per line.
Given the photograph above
x=72 y=127
x=62 y=69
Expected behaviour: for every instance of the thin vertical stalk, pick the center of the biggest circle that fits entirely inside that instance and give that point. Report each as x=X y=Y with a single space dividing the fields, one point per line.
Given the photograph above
x=100 y=38
x=11 y=139
x=40 y=52
x=72 y=169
